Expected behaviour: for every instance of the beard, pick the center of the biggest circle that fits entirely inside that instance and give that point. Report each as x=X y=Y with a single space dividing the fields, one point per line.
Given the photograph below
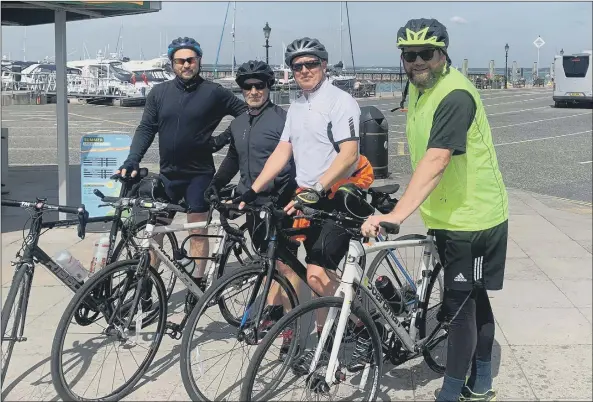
x=425 y=79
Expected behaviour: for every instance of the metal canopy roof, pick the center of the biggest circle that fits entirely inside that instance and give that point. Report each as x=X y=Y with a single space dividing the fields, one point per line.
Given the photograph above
x=27 y=13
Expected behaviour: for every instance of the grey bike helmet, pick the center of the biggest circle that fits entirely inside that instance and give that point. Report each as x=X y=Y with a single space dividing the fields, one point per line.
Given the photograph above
x=255 y=69
x=305 y=46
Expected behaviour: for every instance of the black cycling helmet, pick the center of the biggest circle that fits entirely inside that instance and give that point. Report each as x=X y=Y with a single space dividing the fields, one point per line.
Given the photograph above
x=350 y=199
x=183 y=43
x=255 y=69
x=305 y=46
x=423 y=32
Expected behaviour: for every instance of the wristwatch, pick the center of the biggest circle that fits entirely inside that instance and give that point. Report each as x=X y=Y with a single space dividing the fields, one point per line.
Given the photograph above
x=319 y=188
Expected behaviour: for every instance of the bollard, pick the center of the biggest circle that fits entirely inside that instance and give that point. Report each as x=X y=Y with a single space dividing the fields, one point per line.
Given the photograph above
x=4 y=161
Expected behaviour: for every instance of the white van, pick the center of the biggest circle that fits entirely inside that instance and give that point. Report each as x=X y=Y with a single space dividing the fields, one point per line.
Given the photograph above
x=573 y=79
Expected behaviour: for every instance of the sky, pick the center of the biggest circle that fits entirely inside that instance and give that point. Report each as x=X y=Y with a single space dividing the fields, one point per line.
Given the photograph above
x=478 y=31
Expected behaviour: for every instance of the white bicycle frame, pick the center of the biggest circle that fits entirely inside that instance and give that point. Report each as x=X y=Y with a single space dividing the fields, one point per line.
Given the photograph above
x=148 y=243
x=353 y=274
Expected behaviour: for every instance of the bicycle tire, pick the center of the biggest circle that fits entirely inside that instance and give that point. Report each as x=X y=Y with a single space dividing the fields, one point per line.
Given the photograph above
x=292 y=316
x=18 y=283
x=220 y=273
x=217 y=287
x=383 y=254
x=136 y=228
x=58 y=380
x=430 y=361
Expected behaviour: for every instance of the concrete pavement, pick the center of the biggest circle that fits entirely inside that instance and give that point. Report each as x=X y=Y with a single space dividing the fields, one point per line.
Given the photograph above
x=543 y=338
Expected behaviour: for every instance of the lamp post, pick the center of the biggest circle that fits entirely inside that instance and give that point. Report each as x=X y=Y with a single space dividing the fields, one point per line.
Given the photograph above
x=267 y=31
x=506 y=68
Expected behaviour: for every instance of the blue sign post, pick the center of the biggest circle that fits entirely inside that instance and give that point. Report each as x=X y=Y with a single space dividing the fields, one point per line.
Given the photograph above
x=101 y=154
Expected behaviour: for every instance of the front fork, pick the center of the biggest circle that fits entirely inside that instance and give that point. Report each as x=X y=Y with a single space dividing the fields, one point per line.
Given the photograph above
x=271 y=262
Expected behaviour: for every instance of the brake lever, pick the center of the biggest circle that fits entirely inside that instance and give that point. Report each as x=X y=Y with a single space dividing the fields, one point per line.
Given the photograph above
x=82 y=221
x=98 y=193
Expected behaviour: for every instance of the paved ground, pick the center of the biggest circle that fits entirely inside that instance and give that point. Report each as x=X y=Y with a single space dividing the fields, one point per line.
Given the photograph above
x=543 y=343
x=543 y=315
x=540 y=148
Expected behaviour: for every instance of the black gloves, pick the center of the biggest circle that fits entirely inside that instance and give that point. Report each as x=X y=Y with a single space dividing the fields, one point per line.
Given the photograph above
x=247 y=197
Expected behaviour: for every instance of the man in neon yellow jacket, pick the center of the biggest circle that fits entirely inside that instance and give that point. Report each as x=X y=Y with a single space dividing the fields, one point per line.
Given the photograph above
x=462 y=198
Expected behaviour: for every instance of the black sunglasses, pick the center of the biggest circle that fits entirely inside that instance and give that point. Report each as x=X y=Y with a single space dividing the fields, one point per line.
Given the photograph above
x=309 y=64
x=180 y=61
x=426 y=55
x=258 y=85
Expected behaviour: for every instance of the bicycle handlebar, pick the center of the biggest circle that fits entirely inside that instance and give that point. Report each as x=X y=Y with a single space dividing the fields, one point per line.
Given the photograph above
x=311 y=213
x=125 y=202
x=41 y=205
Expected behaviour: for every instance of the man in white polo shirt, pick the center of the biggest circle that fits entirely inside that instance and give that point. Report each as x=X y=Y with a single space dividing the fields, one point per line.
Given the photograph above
x=322 y=133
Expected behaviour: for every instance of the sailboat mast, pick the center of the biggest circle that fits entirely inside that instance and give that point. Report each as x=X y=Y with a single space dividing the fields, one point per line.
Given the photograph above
x=341 y=32
x=233 y=34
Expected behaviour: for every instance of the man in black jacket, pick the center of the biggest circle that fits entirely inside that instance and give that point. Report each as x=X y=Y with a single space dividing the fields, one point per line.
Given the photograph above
x=253 y=136
x=184 y=111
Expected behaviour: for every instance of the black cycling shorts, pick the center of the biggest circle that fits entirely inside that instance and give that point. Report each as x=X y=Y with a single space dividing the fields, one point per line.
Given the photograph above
x=326 y=244
x=190 y=189
x=473 y=258
x=257 y=227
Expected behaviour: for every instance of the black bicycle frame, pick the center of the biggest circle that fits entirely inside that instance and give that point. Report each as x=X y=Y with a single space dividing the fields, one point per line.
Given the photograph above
x=276 y=249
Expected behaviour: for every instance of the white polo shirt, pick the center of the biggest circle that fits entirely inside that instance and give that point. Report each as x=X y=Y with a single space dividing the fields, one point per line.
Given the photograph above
x=316 y=126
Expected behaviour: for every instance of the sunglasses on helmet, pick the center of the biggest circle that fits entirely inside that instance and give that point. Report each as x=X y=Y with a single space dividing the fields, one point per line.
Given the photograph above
x=426 y=55
x=257 y=85
x=181 y=61
x=309 y=64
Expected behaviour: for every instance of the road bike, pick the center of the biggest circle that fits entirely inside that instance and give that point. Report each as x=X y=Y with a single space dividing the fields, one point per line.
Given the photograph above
x=368 y=335
x=126 y=310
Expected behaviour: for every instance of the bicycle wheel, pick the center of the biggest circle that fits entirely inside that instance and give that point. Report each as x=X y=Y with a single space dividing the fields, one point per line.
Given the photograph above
x=204 y=329
x=435 y=358
x=18 y=291
x=297 y=363
x=402 y=265
x=127 y=248
x=115 y=305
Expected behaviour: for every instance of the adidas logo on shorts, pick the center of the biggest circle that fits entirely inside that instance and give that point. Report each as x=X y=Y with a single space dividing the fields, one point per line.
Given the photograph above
x=460 y=278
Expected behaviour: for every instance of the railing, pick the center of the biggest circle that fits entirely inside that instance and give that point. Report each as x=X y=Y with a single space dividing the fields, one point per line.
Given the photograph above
x=77 y=85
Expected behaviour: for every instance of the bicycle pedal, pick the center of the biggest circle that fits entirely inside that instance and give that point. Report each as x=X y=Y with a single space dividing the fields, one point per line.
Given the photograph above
x=173 y=330
x=21 y=339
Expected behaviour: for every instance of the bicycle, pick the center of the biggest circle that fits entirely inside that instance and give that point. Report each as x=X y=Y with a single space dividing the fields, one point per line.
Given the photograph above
x=30 y=254
x=196 y=338
x=382 y=333
x=130 y=308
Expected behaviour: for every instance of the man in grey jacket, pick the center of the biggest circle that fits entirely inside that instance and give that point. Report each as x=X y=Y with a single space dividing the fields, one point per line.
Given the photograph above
x=253 y=136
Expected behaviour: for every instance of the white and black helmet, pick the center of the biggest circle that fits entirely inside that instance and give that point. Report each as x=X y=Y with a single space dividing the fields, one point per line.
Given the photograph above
x=304 y=46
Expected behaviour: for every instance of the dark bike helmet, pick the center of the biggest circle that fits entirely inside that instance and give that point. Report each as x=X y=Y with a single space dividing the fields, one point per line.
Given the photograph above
x=423 y=32
x=183 y=43
x=255 y=69
x=351 y=199
x=304 y=46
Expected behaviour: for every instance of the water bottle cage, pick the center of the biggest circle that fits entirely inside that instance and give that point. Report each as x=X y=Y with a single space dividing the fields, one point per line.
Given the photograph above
x=180 y=254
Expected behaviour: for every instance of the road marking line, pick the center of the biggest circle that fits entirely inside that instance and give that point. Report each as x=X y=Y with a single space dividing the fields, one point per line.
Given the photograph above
x=516 y=111
x=584 y=163
x=542 y=139
x=519 y=101
x=539 y=121
x=494 y=97
x=108 y=121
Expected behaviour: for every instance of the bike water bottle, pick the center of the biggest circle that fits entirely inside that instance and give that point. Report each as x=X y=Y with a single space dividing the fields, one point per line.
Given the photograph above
x=100 y=257
x=71 y=265
x=388 y=291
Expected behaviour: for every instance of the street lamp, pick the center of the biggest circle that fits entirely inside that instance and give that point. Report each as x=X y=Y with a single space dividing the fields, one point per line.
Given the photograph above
x=506 y=68
x=267 y=31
